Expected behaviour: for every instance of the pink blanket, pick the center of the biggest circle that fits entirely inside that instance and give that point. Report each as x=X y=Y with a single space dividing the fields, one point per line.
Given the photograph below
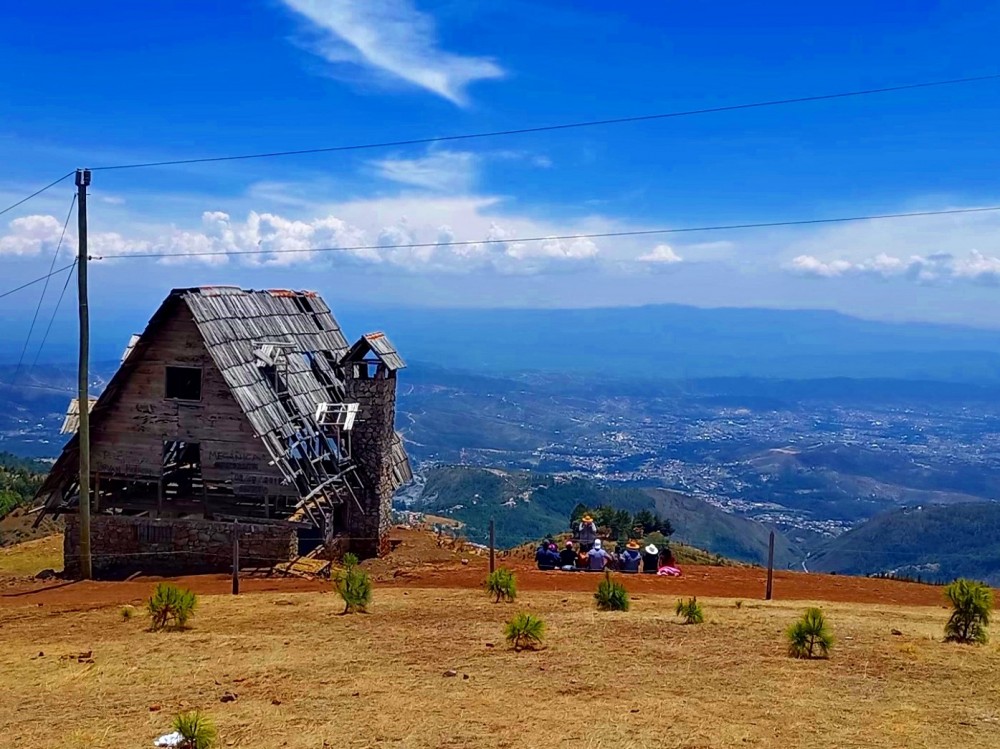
x=669 y=571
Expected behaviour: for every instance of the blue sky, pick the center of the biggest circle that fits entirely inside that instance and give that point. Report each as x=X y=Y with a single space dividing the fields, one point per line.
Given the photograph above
x=119 y=82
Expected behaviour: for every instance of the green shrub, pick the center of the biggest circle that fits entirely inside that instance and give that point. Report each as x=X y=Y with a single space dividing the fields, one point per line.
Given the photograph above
x=611 y=595
x=690 y=610
x=809 y=637
x=501 y=585
x=971 y=604
x=524 y=631
x=170 y=605
x=197 y=729
x=353 y=585
x=127 y=612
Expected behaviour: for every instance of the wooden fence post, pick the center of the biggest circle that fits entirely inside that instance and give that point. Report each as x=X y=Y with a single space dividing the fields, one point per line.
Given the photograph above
x=236 y=558
x=770 y=567
x=493 y=546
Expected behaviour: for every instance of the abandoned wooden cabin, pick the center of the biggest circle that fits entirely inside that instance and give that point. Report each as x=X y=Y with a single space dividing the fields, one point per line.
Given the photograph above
x=236 y=409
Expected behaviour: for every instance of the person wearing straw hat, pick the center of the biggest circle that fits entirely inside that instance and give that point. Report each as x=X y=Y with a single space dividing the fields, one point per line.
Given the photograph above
x=587 y=533
x=650 y=560
x=630 y=558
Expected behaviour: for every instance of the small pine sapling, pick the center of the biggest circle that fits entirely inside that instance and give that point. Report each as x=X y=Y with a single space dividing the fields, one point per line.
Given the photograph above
x=611 y=595
x=501 y=585
x=809 y=637
x=197 y=729
x=971 y=605
x=353 y=585
x=690 y=610
x=524 y=631
x=171 y=605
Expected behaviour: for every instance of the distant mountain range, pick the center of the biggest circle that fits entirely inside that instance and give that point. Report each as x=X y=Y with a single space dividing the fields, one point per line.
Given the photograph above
x=679 y=342
x=649 y=342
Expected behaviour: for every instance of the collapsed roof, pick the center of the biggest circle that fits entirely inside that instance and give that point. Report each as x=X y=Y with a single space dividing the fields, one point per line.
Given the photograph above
x=280 y=353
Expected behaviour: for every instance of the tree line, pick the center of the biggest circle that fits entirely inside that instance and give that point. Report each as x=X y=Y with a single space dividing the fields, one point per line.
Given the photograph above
x=622 y=524
x=19 y=480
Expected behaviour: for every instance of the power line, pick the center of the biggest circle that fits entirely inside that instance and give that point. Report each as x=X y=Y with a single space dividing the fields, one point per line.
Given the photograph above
x=30 y=386
x=37 y=280
x=562 y=126
x=599 y=235
x=45 y=288
x=52 y=319
x=35 y=193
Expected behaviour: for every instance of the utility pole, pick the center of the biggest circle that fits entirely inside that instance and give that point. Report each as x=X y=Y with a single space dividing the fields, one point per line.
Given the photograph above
x=770 y=567
x=493 y=546
x=83 y=397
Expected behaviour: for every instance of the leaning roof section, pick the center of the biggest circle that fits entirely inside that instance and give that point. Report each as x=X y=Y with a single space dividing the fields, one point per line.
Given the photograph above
x=379 y=344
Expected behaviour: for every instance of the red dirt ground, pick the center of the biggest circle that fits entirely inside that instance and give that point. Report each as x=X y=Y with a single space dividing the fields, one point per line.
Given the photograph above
x=422 y=561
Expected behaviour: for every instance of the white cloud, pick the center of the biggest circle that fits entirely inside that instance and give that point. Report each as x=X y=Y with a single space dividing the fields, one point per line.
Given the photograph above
x=29 y=235
x=978 y=267
x=377 y=226
x=807 y=265
x=925 y=249
x=396 y=39
x=662 y=254
x=943 y=266
x=440 y=171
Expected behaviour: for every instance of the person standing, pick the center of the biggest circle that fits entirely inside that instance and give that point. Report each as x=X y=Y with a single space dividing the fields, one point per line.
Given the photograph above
x=587 y=533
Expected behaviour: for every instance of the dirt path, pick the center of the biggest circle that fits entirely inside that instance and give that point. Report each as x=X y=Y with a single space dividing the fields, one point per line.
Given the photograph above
x=719 y=582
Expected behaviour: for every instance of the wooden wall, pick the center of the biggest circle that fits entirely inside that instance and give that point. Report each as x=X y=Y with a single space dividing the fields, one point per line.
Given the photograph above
x=128 y=440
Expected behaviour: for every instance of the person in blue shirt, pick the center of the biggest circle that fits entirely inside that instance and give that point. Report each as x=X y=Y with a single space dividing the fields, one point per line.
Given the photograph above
x=547 y=557
x=630 y=558
x=597 y=557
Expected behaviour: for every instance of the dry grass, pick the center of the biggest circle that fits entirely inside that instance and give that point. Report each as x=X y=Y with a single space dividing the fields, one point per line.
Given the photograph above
x=31 y=557
x=306 y=677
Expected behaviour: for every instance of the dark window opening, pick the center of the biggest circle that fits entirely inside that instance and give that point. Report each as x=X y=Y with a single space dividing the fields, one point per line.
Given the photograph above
x=183 y=383
x=150 y=533
x=303 y=304
x=182 y=470
x=275 y=377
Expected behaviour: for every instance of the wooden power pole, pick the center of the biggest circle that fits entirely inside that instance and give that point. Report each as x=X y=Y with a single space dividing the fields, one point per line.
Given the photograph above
x=770 y=567
x=493 y=546
x=83 y=402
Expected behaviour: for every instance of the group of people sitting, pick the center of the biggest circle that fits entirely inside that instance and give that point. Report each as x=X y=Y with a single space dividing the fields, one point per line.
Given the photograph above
x=590 y=555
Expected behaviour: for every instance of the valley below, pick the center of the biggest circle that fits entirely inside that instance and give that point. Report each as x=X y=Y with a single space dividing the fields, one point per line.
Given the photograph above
x=726 y=460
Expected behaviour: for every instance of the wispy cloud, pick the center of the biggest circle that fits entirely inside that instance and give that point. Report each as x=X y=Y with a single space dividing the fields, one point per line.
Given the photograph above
x=396 y=39
x=441 y=171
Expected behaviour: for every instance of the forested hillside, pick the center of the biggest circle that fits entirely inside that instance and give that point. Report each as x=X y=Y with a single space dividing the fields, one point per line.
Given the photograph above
x=527 y=506
x=932 y=542
x=19 y=480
